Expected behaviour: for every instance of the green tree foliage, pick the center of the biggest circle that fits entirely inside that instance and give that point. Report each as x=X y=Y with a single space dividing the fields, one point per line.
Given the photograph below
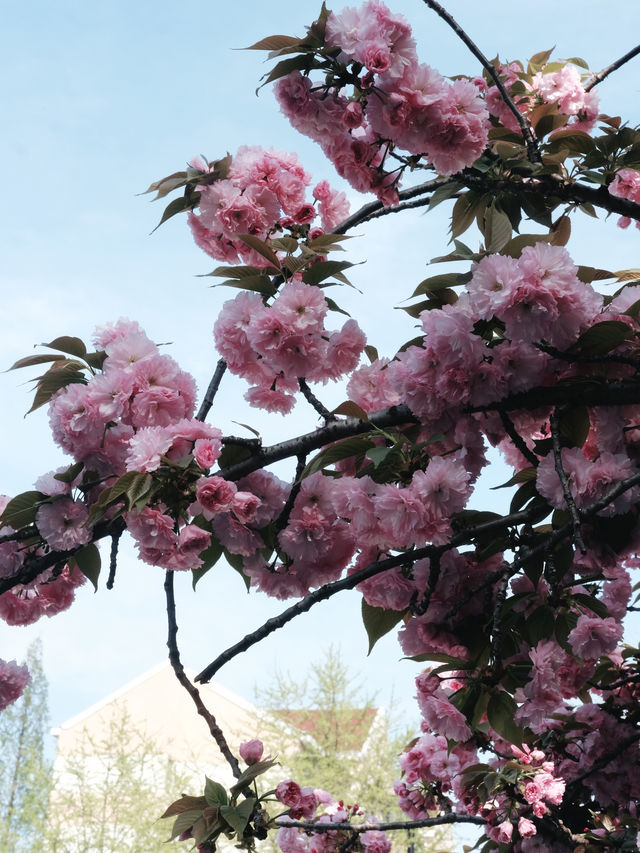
x=326 y=731
x=25 y=772
x=110 y=792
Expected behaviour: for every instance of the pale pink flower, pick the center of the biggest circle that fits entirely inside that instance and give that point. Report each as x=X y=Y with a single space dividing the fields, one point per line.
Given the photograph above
x=63 y=523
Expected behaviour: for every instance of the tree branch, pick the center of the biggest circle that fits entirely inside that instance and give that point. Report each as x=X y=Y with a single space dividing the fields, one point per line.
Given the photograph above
x=330 y=589
x=525 y=127
x=373 y=209
x=600 y=76
x=383 y=827
x=554 y=423
x=311 y=398
x=394 y=416
x=212 y=390
x=174 y=658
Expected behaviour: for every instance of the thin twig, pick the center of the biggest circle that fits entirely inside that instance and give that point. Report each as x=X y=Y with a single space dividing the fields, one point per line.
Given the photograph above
x=174 y=658
x=212 y=390
x=496 y=630
x=373 y=569
x=554 y=424
x=283 y=518
x=518 y=440
x=600 y=76
x=525 y=127
x=311 y=398
x=113 y=558
x=376 y=208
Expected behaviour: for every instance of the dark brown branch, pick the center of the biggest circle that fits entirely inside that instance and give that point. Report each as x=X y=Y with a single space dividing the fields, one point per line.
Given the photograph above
x=383 y=827
x=553 y=186
x=588 y=392
x=30 y=571
x=311 y=398
x=174 y=658
x=496 y=630
x=305 y=604
x=600 y=76
x=113 y=558
x=394 y=416
x=212 y=390
x=375 y=568
x=554 y=423
x=373 y=209
x=525 y=127
x=518 y=440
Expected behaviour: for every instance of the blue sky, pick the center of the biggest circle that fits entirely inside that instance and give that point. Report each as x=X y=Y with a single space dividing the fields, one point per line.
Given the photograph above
x=101 y=99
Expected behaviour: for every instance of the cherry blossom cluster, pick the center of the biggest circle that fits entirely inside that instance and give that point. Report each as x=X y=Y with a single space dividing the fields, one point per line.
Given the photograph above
x=556 y=84
x=272 y=346
x=397 y=102
x=52 y=591
x=303 y=803
x=263 y=194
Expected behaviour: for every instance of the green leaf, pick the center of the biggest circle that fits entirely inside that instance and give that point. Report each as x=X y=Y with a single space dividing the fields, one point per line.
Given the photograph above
x=523 y=476
x=247 y=427
x=215 y=793
x=274 y=43
x=444 y=192
x=70 y=474
x=258 y=283
x=464 y=212
x=166 y=185
x=500 y=713
x=32 y=360
x=591 y=603
x=323 y=270
x=178 y=205
x=351 y=410
x=261 y=248
x=238 y=816
x=237 y=564
x=515 y=246
x=574 y=426
x=378 y=454
x=185 y=804
x=333 y=306
x=286 y=66
x=209 y=557
x=589 y=274
x=602 y=338
x=21 y=511
x=497 y=229
x=327 y=242
x=185 y=821
x=539 y=60
x=355 y=446
x=439 y=657
x=435 y=283
x=252 y=772
x=68 y=345
x=88 y=561
x=378 y=621
x=240 y=272
x=540 y=625
x=59 y=375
